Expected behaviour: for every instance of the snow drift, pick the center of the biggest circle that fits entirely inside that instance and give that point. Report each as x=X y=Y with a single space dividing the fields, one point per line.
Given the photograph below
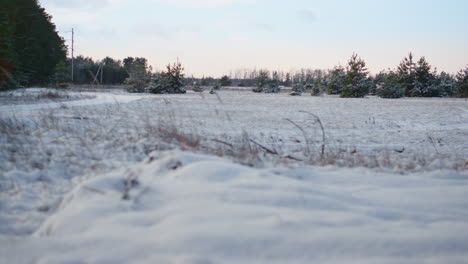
x=190 y=208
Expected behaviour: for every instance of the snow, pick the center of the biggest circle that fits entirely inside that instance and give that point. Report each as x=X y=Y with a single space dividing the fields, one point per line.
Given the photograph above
x=390 y=187
x=95 y=99
x=192 y=208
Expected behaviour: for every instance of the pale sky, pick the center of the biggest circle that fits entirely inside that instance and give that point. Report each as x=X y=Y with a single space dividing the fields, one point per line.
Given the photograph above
x=212 y=37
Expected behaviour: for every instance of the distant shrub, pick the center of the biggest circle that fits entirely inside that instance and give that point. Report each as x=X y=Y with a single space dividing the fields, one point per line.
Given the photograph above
x=315 y=90
x=225 y=81
x=298 y=88
x=272 y=87
x=197 y=87
x=136 y=86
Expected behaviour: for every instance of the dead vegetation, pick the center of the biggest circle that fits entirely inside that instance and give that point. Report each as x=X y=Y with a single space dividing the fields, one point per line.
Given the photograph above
x=96 y=140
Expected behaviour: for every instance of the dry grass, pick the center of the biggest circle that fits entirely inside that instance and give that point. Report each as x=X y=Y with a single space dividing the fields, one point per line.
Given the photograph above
x=91 y=141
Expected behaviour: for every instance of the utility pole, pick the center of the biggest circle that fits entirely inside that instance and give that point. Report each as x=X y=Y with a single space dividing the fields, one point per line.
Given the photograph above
x=72 y=53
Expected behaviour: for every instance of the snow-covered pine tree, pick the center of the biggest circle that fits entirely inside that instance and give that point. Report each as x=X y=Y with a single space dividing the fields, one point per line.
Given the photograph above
x=356 y=82
x=170 y=81
x=423 y=80
x=406 y=70
x=139 y=77
x=262 y=81
x=388 y=85
x=297 y=89
x=335 y=80
x=462 y=82
x=445 y=84
x=273 y=84
x=317 y=83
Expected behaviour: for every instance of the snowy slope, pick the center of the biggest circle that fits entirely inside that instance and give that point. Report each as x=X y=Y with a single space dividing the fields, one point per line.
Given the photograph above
x=191 y=208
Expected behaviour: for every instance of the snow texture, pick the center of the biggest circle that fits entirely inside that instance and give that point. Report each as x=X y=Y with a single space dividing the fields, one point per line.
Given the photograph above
x=191 y=208
x=91 y=180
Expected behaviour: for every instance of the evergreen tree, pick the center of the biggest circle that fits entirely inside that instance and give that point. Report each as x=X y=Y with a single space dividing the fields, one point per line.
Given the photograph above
x=262 y=81
x=225 y=81
x=169 y=82
x=317 y=85
x=61 y=75
x=7 y=56
x=462 y=82
x=273 y=84
x=30 y=46
x=423 y=80
x=406 y=70
x=139 y=77
x=445 y=84
x=287 y=81
x=335 y=80
x=356 y=83
x=389 y=85
x=113 y=71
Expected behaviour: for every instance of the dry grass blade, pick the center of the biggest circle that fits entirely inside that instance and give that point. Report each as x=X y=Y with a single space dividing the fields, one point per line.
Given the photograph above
x=317 y=119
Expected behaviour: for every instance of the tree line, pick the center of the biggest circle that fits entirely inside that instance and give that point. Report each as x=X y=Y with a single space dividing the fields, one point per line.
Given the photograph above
x=32 y=53
x=410 y=78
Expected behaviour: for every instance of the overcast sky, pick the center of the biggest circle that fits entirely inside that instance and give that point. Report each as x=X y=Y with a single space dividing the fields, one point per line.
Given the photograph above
x=212 y=37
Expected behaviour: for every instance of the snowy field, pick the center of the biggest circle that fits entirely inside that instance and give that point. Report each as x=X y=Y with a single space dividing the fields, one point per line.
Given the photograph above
x=236 y=177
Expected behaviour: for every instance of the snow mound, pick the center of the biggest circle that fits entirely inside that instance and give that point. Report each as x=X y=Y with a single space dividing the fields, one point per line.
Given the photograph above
x=180 y=207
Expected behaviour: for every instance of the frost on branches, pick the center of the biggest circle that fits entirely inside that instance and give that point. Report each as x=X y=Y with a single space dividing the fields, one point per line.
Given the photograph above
x=170 y=81
x=265 y=84
x=356 y=83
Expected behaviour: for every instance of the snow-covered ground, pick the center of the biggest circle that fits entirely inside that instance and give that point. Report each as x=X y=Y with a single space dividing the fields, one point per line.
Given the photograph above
x=273 y=198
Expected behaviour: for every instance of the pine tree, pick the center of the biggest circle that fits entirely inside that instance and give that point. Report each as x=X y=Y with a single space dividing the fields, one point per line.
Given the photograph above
x=61 y=75
x=287 y=81
x=225 y=81
x=356 y=82
x=406 y=70
x=444 y=84
x=388 y=85
x=139 y=76
x=262 y=81
x=462 y=82
x=317 y=85
x=336 y=78
x=30 y=46
x=7 y=56
x=169 y=82
x=423 y=80
x=273 y=84
x=113 y=71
